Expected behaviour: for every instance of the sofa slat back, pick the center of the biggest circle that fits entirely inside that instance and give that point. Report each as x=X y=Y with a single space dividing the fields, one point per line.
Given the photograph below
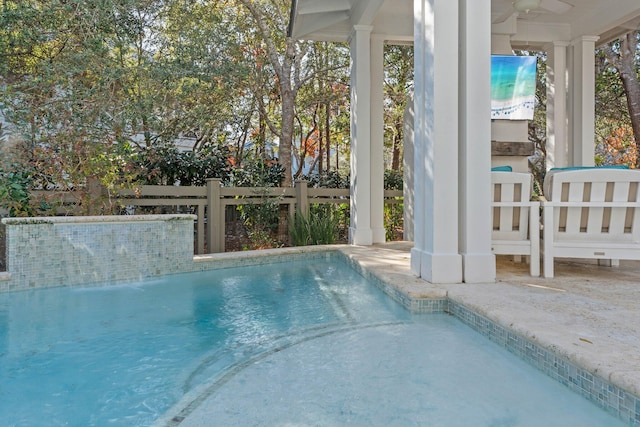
x=516 y=219
x=595 y=205
x=511 y=194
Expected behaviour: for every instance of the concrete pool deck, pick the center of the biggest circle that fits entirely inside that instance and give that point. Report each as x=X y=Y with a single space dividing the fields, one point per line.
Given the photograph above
x=587 y=313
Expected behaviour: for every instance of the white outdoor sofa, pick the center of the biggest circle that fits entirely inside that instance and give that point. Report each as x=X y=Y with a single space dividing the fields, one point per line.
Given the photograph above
x=591 y=213
x=516 y=219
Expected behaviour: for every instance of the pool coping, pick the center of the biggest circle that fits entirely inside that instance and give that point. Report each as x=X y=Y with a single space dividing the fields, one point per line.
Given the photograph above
x=548 y=357
x=106 y=219
x=389 y=273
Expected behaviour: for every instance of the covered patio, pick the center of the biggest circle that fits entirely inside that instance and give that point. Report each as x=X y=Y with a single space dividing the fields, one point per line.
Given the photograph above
x=453 y=135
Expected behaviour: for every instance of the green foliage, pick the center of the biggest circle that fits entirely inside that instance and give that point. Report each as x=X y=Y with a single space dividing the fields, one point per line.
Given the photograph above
x=263 y=215
x=258 y=174
x=331 y=179
x=393 y=221
x=14 y=192
x=319 y=227
x=80 y=79
x=261 y=222
x=113 y=166
x=393 y=213
x=166 y=165
x=261 y=219
x=393 y=179
x=398 y=82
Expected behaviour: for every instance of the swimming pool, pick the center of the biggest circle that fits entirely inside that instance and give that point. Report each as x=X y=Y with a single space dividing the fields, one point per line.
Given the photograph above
x=303 y=343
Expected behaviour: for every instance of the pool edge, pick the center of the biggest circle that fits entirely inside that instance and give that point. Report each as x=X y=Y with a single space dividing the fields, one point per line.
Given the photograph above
x=411 y=293
x=609 y=396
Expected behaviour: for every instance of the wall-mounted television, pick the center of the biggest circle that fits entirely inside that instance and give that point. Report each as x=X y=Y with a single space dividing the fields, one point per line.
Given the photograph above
x=513 y=87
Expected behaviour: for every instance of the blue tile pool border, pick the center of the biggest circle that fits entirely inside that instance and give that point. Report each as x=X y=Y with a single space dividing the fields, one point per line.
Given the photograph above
x=611 y=398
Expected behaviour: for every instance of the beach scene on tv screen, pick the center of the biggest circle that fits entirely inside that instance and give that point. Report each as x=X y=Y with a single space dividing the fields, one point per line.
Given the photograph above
x=513 y=87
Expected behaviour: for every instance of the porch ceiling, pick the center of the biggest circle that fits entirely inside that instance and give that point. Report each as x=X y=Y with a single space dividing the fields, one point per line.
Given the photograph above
x=333 y=20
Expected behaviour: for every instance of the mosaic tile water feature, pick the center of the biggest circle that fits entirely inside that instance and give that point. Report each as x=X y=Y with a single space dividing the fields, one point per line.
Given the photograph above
x=54 y=251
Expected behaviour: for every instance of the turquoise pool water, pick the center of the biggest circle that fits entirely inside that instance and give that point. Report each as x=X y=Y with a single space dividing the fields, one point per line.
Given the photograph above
x=304 y=343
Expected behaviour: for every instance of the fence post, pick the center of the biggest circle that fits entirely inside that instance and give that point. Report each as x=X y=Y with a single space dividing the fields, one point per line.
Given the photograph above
x=95 y=192
x=201 y=228
x=215 y=217
x=302 y=198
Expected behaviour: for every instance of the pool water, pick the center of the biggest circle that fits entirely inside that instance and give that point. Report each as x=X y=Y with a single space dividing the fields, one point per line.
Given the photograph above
x=303 y=343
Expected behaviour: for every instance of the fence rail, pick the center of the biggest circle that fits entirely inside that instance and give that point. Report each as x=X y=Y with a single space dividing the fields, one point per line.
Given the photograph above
x=210 y=203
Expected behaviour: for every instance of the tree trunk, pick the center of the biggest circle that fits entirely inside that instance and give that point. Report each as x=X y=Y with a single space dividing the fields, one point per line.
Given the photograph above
x=320 y=158
x=286 y=136
x=397 y=140
x=328 y=135
x=629 y=77
x=283 y=67
x=624 y=62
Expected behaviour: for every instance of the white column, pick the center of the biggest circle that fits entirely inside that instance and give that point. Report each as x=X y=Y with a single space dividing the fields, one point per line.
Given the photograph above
x=557 y=132
x=582 y=148
x=474 y=127
x=408 y=179
x=422 y=66
x=435 y=254
x=377 y=139
x=360 y=232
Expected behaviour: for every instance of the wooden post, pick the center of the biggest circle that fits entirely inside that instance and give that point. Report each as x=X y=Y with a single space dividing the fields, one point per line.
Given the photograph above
x=94 y=197
x=215 y=217
x=302 y=198
x=200 y=232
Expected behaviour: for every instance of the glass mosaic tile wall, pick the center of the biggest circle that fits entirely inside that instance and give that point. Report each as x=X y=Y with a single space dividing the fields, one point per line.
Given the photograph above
x=3 y=252
x=43 y=252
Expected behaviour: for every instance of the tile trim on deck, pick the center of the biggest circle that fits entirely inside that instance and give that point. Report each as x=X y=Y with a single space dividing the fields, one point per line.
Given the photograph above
x=613 y=399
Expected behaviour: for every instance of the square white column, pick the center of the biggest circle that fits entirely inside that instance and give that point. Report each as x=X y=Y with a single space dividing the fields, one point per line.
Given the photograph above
x=360 y=232
x=557 y=133
x=474 y=127
x=582 y=122
x=422 y=26
x=377 y=139
x=435 y=256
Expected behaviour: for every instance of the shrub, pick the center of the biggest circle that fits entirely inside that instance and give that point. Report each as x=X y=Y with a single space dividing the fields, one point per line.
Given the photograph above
x=393 y=179
x=331 y=179
x=319 y=227
x=14 y=192
x=166 y=165
x=393 y=213
x=258 y=174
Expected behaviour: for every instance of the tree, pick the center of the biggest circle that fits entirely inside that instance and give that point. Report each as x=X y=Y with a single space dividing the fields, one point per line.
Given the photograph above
x=204 y=77
x=88 y=83
x=319 y=106
x=537 y=128
x=72 y=74
x=285 y=56
x=398 y=84
x=622 y=56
